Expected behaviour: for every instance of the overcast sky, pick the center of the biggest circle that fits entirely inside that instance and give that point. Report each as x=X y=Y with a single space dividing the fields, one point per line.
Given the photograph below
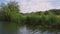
x=36 y=5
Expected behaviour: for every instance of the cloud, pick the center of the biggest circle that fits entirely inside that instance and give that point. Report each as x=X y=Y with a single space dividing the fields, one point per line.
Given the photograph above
x=27 y=6
x=58 y=5
x=38 y=5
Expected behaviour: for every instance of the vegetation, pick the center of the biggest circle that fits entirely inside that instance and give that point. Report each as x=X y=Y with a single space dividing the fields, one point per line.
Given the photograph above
x=42 y=19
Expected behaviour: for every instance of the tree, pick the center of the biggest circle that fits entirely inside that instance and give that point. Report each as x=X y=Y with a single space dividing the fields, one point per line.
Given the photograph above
x=11 y=12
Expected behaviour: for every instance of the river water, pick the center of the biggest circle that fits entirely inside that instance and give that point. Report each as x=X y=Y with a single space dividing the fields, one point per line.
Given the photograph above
x=25 y=30
x=0 y=27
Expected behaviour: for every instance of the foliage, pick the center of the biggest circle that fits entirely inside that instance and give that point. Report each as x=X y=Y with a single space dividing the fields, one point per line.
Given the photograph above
x=48 y=19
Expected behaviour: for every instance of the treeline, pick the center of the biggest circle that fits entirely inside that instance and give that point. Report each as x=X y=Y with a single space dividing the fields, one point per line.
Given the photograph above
x=54 y=11
x=48 y=19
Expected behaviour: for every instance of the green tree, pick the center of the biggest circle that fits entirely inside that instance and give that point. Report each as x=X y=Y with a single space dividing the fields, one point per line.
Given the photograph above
x=11 y=12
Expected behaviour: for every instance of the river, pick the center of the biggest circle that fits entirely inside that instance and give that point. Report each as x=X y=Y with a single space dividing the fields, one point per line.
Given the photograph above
x=25 y=30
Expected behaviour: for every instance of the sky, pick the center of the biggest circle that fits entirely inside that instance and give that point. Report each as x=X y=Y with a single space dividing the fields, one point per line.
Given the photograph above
x=27 y=6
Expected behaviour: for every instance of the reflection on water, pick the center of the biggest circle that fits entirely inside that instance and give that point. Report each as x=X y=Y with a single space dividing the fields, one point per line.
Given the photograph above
x=0 y=27
x=25 y=30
